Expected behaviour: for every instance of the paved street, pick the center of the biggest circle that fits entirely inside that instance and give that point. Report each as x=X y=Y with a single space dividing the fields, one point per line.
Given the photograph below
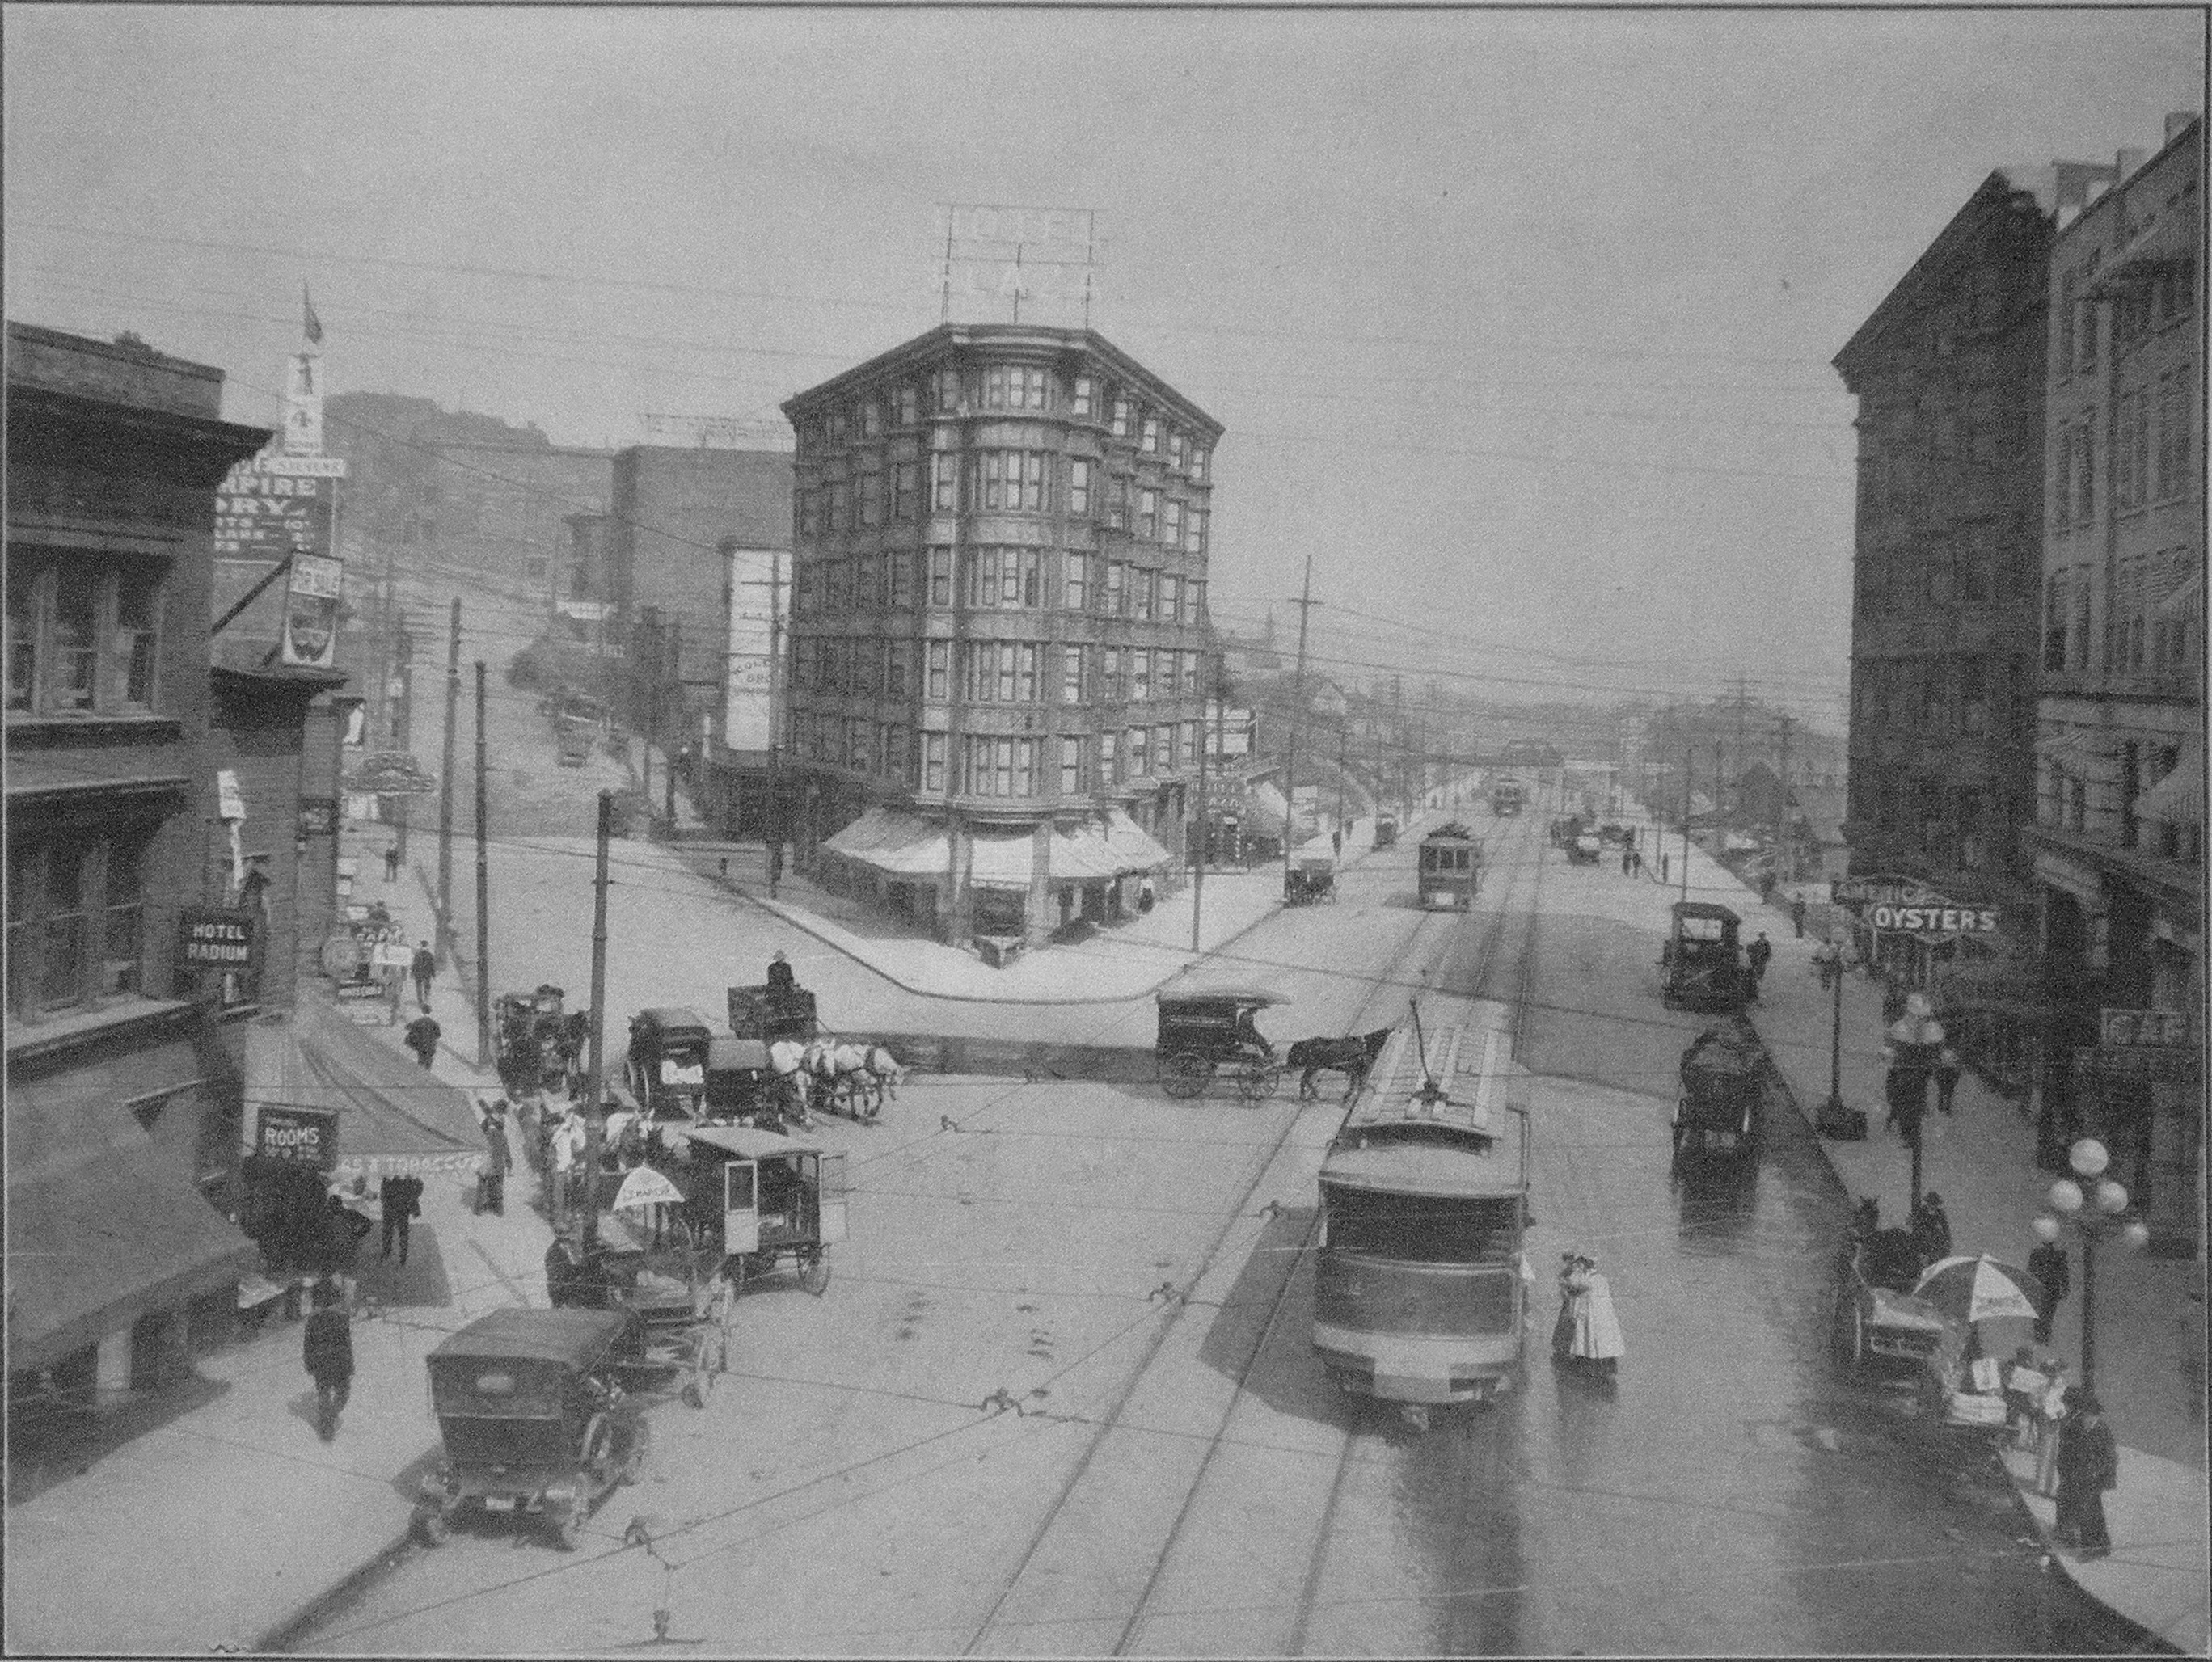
x=1174 y=1475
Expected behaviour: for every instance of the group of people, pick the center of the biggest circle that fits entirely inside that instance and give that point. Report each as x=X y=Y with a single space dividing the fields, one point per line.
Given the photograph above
x=1586 y=1330
x=2077 y=1459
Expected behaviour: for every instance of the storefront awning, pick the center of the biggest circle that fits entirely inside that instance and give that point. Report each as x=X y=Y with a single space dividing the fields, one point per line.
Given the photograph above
x=393 y=1116
x=2179 y=799
x=905 y=845
x=103 y=1226
x=2070 y=749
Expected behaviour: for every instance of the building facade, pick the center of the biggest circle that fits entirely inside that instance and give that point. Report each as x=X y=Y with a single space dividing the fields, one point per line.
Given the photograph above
x=2118 y=836
x=998 y=627
x=122 y=1095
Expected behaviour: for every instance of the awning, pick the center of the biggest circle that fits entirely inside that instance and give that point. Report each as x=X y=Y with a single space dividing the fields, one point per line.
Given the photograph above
x=2179 y=799
x=104 y=1227
x=1265 y=813
x=905 y=845
x=394 y=1116
x=2072 y=748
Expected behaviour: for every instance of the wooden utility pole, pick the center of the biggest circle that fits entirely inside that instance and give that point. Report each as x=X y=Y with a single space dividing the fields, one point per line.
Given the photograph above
x=595 y=1074
x=1343 y=738
x=483 y=890
x=1305 y=604
x=667 y=753
x=403 y=723
x=446 y=780
x=1782 y=849
x=1689 y=766
x=1204 y=824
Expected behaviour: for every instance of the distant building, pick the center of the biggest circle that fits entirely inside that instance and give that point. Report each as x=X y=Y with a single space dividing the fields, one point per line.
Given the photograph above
x=998 y=624
x=2118 y=836
x=123 y=1102
x=1948 y=372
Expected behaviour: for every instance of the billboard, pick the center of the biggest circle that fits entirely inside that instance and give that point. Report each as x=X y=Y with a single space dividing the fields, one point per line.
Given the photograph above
x=303 y=405
x=311 y=611
x=757 y=605
x=997 y=260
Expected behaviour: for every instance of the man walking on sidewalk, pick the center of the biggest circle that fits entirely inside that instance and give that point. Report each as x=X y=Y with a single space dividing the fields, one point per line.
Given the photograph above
x=422 y=1035
x=1759 y=953
x=392 y=863
x=2048 y=1264
x=1797 y=914
x=402 y=1204
x=423 y=967
x=2088 y=1464
x=328 y=1344
x=1946 y=1080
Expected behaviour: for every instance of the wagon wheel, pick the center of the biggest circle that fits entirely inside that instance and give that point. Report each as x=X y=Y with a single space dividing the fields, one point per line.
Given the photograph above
x=568 y=1526
x=814 y=1271
x=1186 y=1074
x=641 y=1444
x=734 y=1271
x=725 y=1317
x=1259 y=1082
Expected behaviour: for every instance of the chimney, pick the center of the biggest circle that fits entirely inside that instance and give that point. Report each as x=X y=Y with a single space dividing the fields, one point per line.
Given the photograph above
x=2177 y=123
x=2130 y=160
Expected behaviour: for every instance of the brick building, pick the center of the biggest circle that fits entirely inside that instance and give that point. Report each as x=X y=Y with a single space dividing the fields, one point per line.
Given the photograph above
x=1948 y=371
x=997 y=625
x=122 y=1097
x=2118 y=836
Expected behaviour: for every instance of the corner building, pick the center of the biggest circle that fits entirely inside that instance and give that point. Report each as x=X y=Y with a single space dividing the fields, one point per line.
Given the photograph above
x=997 y=625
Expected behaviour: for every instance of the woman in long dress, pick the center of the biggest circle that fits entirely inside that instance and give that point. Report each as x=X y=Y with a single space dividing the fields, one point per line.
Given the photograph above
x=1597 y=1329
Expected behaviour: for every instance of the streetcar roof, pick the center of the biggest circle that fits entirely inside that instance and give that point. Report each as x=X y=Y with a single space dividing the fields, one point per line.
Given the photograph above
x=744 y=1142
x=1227 y=993
x=1458 y=1085
x=1414 y=1161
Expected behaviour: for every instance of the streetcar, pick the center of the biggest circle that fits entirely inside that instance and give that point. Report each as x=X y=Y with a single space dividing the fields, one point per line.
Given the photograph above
x=1508 y=797
x=1420 y=1288
x=1451 y=867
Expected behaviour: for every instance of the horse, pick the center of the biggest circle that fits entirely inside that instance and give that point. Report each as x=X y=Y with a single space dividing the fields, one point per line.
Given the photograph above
x=844 y=1079
x=1353 y=1056
x=789 y=1060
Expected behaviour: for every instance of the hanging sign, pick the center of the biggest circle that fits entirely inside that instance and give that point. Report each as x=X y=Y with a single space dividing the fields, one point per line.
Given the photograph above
x=311 y=610
x=215 y=937
x=2145 y=1029
x=1940 y=917
x=298 y=1136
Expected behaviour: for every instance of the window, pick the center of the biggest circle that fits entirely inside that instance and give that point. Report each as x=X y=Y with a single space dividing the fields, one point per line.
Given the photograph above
x=1120 y=423
x=906 y=489
x=1035 y=379
x=2062 y=478
x=1085 y=392
x=1163 y=749
x=2078 y=642
x=1034 y=495
x=1194 y=599
x=1138 y=757
x=1175 y=449
x=1197 y=460
x=1079 y=488
x=1109 y=685
x=933 y=761
x=1025 y=692
x=2085 y=453
x=1190 y=744
x=22 y=640
x=872 y=417
x=76 y=917
x=1008 y=693
x=1171 y=523
x=898 y=659
x=990 y=487
x=1117 y=502
x=948 y=389
x=1071 y=764
x=945 y=476
x=940 y=576
x=1115 y=602
x=841 y=505
x=1005 y=771
x=83 y=636
x=1148 y=514
x=1140 y=672
x=1194 y=535
x=1074 y=588
x=908 y=404
x=2125 y=478
x=1024 y=768
x=902 y=595
x=1190 y=676
x=809 y=511
x=2087 y=329
x=1071 y=677
x=1150 y=442
x=1146 y=583
x=1110 y=758
x=940 y=653
x=838 y=421
x=994 y=387
x=1171 y=599
x=74 y=630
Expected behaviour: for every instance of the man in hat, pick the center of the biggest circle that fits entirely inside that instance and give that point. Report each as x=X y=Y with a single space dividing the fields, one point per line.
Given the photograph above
x=1597 y=1336
x=1931 y=1228
x=1757 y=954
x=328 y=1346
x=2047 y=1264
x=779 y=977
x=423 y=968
x=2088 y=1464
x=422 y=1035
x=497 y=1158
x=1947 y=1079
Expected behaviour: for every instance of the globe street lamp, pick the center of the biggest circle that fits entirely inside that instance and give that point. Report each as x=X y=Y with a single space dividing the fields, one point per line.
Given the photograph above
x=2096 y=1207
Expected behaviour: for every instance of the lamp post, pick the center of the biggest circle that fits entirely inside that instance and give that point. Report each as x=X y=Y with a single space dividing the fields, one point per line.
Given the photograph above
x=1831 y=1111
x=2097 y=1207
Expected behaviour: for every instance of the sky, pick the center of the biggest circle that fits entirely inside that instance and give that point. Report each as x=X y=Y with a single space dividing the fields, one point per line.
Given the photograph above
x=1519 y=324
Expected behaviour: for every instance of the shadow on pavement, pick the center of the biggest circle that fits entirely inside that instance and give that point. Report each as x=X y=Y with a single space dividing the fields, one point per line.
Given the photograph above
x=1285 y=1381
x=50 y=1440
x=421 y=1281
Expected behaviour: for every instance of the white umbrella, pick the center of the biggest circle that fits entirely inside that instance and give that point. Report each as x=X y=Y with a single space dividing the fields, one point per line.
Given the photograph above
x=647 y=1187
x=1989 y=1290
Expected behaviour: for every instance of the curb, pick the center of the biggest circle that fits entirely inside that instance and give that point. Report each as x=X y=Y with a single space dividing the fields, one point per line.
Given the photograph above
x=279 y=1639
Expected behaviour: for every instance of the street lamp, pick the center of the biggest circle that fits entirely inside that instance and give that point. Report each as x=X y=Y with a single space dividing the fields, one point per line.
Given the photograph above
x=2097 y=1207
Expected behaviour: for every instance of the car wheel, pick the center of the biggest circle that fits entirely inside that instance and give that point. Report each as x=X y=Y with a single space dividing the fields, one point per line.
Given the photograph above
x=634 y=1458
x=814 y=1273
x=432 y=1526
x=568 y=1526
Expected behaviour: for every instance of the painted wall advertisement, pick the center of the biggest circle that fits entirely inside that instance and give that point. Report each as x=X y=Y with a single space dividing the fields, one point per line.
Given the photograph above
x=311 y=610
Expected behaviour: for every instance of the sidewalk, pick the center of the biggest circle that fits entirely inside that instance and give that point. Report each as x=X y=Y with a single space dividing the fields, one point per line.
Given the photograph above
x=221 y=1526
x=2150 y=1313
x=1126 y=961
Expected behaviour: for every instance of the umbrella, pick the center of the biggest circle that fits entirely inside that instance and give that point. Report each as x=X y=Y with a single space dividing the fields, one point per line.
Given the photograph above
x=647 y=1187
x=1976 y=1290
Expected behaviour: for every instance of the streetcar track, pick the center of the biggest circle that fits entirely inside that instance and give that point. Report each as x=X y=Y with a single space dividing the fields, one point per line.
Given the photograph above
x=1107 y=1422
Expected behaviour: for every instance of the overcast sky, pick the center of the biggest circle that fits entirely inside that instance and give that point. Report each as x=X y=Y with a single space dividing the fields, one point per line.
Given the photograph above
x=1519 y=324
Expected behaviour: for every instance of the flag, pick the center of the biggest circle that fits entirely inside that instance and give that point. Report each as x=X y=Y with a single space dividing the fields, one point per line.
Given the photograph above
x=313 y=324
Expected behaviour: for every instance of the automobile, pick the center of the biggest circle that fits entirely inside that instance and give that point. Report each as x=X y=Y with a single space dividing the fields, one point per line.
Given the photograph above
x=1386 y=831
x=1584 y=850
x=535 y=1417
x=1700 y=964
x=1721 y=1109
x=666 y=1070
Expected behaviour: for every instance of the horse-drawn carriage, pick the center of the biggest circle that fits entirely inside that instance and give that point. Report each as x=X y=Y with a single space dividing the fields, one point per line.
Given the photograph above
x=1205 y=1031
x=841 y=1076
x=1310 y=880
x=666 y=1070
x=540 y=1045
x=1701 y=967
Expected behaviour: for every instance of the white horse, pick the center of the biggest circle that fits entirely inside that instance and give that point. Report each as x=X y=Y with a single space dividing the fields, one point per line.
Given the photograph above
x=790 y=1061
x=843 y=1076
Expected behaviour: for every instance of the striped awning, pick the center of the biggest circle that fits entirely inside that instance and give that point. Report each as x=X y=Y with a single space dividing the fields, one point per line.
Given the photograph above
x=904 y=845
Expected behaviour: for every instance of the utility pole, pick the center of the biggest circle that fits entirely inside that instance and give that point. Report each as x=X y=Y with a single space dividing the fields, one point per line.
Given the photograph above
x=403 y=723
x=668 y=754
x=483 y=890
x=1782 y=849
x=652 y=711
x=1305 y=604
x=1689 y=766
x=446 y=780
x=595 y=1076
x=1343 y=738
x=1204 y=824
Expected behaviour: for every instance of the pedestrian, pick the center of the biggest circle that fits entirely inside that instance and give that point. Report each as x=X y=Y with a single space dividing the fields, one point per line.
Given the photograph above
x=1759 y=953
x=424 y=966
x=2088 y=1464
x=1947 y=1079
x=1563 y=1325
x=774 y=867
x=1931 y=1228
x=1766 y=887
x=2023 y=1394
x=422 y=1035
x=1797 y=914
x=723 y=869
x=402 y=1199
x=779 y=977
x=2054 y=1279
x=2051 y=1419
x=1596 y=1328
x=1635 y=861
x=491 y=1188
x=328 y=1347
x=392 y=863
x=1827 y=963
x=395 y=993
